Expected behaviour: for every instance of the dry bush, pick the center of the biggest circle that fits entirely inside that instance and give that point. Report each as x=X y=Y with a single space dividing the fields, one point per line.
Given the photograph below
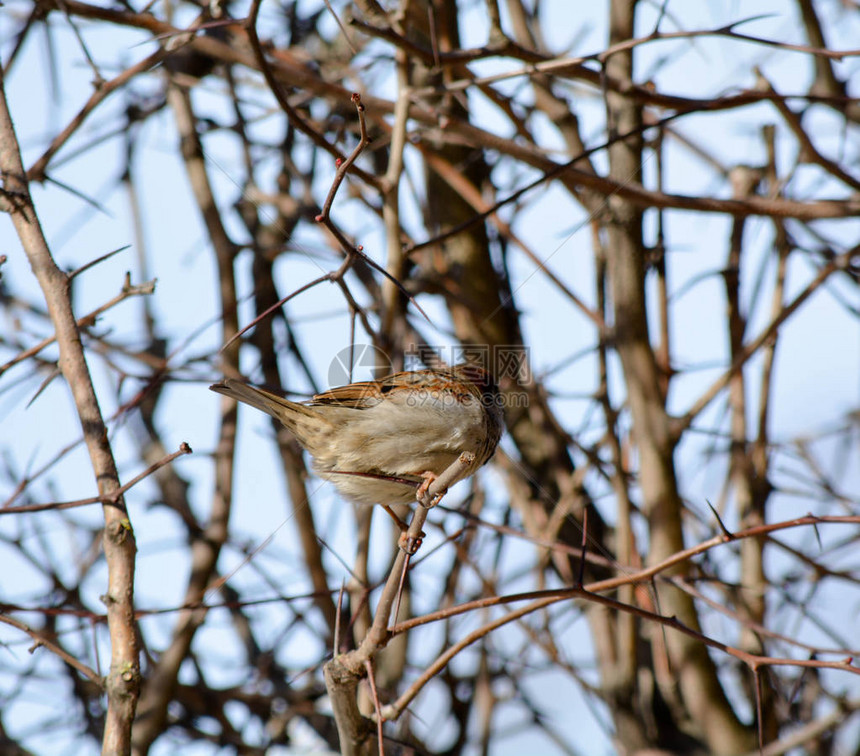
x=642 y=218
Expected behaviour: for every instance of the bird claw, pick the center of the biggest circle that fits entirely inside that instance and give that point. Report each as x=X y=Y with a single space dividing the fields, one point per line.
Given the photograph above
x=429 y=478
x=410 y=544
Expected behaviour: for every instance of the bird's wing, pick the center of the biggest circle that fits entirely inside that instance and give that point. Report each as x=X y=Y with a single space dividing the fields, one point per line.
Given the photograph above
x=364 y=394
x=359 y=395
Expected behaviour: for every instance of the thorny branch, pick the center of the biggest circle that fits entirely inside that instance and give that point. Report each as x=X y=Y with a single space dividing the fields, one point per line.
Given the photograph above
x=123 y=680
x=344 y=671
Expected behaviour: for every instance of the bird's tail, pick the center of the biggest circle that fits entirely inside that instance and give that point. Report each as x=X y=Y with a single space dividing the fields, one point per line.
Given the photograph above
x=296 y=417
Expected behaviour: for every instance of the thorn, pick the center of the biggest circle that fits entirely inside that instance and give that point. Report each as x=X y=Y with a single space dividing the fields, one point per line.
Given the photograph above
x=817 y=534
x=337 y=618
x=727 y=534
x=318 y=218
x=584 y=548
x=400 y=587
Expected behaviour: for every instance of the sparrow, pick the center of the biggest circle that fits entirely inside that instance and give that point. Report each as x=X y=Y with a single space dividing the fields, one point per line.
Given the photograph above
x=378 y=441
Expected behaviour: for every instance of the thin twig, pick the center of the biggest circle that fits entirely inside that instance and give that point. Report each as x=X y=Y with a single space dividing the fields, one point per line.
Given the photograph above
x=41 y=640
x=380 y=720
x=112 y=499
x=87 y=321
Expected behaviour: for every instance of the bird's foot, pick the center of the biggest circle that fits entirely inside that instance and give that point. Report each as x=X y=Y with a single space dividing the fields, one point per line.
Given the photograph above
x=429 y=478
x=409 y=544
